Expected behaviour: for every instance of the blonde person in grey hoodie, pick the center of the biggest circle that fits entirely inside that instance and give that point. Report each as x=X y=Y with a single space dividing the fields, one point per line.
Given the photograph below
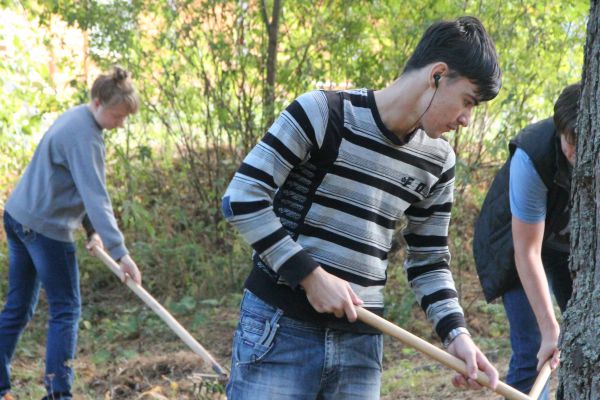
x=62 y=188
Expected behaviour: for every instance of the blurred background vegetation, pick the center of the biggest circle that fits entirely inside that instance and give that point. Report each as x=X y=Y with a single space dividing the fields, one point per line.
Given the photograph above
x=212 y=75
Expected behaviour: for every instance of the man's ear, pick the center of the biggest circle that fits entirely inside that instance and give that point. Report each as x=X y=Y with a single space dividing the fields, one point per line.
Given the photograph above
x=437 y=71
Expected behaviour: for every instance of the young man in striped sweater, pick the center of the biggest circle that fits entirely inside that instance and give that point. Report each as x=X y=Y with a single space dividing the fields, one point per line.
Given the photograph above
x=318 y=199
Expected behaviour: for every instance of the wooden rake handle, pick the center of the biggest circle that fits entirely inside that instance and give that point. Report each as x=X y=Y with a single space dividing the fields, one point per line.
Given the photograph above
x=434 y=352
x=540 y=381
x=183 y=334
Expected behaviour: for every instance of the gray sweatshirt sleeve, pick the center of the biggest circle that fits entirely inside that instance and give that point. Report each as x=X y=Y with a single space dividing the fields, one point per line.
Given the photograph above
x=85 y=155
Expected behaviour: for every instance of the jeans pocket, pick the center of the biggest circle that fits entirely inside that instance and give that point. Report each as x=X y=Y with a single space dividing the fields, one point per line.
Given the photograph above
x=254 y=338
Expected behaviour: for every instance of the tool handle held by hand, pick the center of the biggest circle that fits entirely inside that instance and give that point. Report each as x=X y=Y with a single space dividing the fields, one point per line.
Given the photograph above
x=175 y=326
x=434 y=352
x=540 y=381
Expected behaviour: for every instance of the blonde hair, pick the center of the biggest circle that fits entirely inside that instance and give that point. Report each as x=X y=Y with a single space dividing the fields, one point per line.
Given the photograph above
x=116 y=88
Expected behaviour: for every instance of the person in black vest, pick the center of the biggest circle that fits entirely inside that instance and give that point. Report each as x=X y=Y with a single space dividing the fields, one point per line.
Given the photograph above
x=521 y=242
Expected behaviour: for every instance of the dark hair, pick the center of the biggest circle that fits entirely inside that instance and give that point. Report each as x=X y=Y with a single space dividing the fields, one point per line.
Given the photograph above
x=115 y=88
x=465 y=46
x=565 y=112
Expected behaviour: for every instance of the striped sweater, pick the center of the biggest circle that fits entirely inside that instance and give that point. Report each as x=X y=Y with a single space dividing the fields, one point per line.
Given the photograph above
x=326 y=186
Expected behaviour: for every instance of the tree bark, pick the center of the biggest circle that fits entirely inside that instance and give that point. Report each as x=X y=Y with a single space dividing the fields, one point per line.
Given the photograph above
x=271 y=67
x=579 y=374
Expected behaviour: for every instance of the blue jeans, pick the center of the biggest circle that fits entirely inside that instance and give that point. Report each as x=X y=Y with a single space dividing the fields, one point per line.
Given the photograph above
x=275 y=357
x=525 y=338
x=36 y=260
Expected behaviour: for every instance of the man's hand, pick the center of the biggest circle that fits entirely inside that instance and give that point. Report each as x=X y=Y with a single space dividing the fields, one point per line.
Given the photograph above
x=95 y=241
x=549 y=347
x=130 y=269
x=329 y=294
x=464 y=348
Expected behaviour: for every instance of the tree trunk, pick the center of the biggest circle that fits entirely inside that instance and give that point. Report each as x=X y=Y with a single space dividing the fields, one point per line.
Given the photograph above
x=273 y=35
x=579 y=374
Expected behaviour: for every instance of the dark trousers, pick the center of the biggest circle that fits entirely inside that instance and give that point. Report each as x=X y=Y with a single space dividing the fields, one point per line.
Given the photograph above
x=34 y=261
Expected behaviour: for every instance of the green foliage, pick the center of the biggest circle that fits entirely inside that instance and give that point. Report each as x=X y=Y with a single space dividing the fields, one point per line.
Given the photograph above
x=29 y=96
x=23 y=91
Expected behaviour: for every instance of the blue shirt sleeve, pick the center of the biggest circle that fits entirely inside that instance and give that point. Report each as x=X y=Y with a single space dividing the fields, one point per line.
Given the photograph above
x=527 y=192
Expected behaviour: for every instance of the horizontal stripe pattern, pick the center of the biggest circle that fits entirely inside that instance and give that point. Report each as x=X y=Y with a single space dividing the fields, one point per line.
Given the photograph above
x=319 y=192
x=355 y=211
x=405 y=157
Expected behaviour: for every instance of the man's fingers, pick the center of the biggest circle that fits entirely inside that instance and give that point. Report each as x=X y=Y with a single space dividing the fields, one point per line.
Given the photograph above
x=543 y=358
x=350 y=312
x=471 y=362
x=354 y=297
x=459 y=381
x=489 y=370
x=473 y=384
x=130 y=270
x=135 y=275
x=126 y=273
x=349 y=305
x=555 y=360
x=95 y=241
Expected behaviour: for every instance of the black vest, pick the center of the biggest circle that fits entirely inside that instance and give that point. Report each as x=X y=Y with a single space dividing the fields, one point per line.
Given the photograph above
x=493 y=243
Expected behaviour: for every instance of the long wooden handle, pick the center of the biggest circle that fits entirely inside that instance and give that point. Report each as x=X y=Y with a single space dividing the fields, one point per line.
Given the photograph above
x=434 y=352
x=540 y=381
x=183 y=334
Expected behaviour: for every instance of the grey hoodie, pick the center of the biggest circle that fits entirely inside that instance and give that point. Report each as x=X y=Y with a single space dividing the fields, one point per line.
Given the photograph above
x=65 y=180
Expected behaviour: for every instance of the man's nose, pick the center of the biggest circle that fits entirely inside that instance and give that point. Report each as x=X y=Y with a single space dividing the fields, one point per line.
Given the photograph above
x=465 y=118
